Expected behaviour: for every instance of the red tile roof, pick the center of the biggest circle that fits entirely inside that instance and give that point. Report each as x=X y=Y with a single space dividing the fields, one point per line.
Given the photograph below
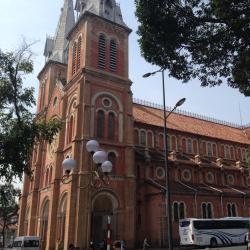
x=153 y=116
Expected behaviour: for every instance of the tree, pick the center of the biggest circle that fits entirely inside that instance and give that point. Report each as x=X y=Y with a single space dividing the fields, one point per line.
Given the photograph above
x=8 y=207
x=204 y=39
x=19 y=130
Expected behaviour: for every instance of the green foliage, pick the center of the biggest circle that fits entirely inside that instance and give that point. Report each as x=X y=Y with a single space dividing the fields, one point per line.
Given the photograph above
x=8 y=206
x=19 y=131
x=204 y=39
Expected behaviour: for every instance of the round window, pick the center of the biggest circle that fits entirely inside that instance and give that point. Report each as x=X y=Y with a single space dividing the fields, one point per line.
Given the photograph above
x=106 y=102
x=160 y=172
x=210 y=177
x=186 y=175
x=230 y=179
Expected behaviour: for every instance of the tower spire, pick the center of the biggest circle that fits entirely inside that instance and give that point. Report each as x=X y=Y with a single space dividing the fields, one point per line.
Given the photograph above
x=108 y=9
x=56 y=48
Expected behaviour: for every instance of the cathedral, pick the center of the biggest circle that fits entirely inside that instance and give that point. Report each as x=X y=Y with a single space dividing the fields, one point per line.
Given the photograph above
x=85 y=83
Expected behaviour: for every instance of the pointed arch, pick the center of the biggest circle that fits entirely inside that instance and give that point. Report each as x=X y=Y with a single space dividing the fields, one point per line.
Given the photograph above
x=61 y=218
x=44 y=218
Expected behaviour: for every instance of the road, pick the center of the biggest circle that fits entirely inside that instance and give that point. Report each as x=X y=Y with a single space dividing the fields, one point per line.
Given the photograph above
x=227 y=248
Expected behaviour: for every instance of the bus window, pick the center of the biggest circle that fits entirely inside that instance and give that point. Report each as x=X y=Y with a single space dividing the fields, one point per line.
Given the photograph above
x=31 y=243
x=17 y=243
x=184 y=223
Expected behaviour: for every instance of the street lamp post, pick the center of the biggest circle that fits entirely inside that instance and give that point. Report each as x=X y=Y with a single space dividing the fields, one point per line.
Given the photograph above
x=167 y=193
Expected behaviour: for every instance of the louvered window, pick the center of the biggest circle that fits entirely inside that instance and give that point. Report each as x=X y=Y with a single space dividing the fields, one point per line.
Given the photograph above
x=79 y=45
x=74 y=54
x=113 y=55
x=102 y=52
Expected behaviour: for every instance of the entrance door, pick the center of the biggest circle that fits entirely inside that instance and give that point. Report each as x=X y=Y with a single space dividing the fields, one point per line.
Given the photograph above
x=102 y=208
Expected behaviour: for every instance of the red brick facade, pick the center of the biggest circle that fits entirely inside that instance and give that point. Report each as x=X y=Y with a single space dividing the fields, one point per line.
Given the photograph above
x=93 y=97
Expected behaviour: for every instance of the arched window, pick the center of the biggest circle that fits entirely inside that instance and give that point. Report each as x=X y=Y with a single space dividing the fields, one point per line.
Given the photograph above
x=136 y=137
x=112 y=158
x=150 y=139
x=74 y=58
x=184 y=145
x=79 y=46
x=174 y=143
x=239 y=154
x=207 y=210
x=113 y=55
x=111 y=126
x=227 y=152
x=168 y=142
x=44 y=224
x=231 y=210
x=46 y=177
x=70 y=129
x=189 y=146
x=214 y=150
x=204 y=148
x=143 y=137
x=179 y=211
x=195 y=148
x=243 y=154
x=161 y=141
x=209 y=149
x=232 y=156
x=61 y=219
x=222 y=151
x=102 y=52
x=100 y=123
x=50 y=175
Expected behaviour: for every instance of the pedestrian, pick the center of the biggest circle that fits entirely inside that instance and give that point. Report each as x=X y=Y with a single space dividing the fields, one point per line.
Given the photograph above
x=117 y=245
x=92 y=245
x=71 y=247
x=145 y=244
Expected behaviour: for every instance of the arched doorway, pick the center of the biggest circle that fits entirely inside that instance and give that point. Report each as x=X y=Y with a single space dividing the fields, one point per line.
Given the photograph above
x=44 y=224
x=103 y=206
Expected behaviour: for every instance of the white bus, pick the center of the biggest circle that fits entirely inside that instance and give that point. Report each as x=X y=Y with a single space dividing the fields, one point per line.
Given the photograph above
x=26 y=243
x=214 y=232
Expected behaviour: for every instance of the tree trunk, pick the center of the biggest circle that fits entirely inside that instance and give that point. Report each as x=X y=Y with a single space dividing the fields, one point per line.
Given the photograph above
x=3 y=235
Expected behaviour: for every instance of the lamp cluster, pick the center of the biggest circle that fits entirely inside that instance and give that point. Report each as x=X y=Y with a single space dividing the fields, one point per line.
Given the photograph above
x=100 y=158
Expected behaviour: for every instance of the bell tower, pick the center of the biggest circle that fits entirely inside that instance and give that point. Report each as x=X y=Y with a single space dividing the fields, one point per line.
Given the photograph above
x=85 y=82
x=98 y=82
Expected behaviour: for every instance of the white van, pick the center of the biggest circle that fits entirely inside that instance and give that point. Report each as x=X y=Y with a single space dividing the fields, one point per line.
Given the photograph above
x=26 y=243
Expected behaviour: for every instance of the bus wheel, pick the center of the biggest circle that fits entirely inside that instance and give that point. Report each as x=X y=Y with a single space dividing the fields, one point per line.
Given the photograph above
x=213 y=242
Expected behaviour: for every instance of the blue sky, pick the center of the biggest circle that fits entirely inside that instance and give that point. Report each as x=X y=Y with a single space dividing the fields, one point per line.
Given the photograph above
x=34 y=19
